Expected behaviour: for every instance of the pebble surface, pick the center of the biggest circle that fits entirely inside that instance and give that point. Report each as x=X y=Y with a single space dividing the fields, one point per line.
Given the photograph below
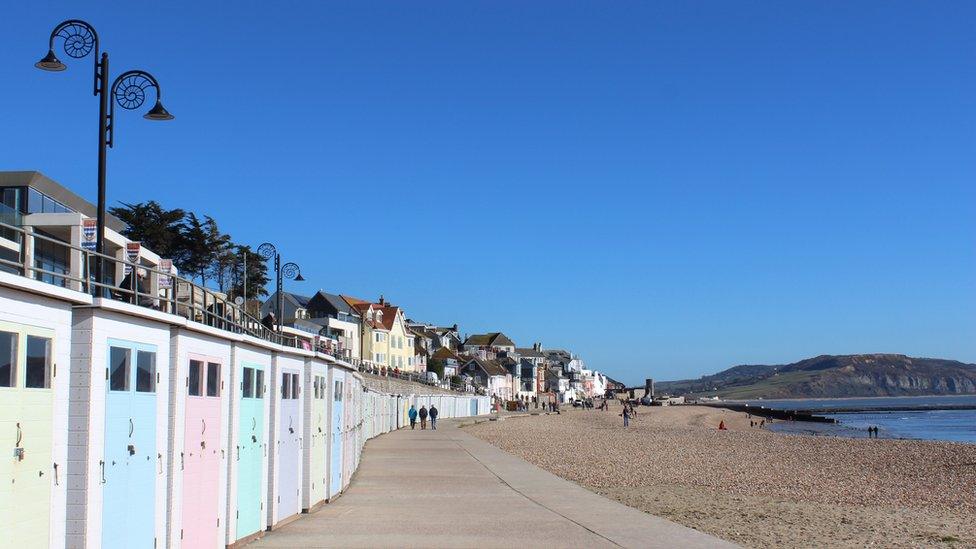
x=753 y=486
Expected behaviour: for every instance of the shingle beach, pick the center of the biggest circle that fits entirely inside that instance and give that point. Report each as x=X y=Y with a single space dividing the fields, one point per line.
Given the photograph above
x=755 y=487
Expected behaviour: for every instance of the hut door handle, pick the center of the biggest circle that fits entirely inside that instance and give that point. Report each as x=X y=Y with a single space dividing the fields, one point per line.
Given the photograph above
x=290 y=430
x=238 y=452
x=204 y=426
x=102 y=464
x=20 y=435
x=56 y=474
x=254 y=423
x=181 y=461
x=159 y=458
x=132 y=427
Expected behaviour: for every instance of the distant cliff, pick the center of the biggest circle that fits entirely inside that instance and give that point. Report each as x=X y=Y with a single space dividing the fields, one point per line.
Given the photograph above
x=835 y=376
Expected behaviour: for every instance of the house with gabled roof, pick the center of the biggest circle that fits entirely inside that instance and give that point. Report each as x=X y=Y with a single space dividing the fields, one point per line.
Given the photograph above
x=491 y=375
x=488 y=346
x=440 y=336
x=385 y=339
x=422 y=344
x=293 y=306
x=338 y=320
x=447 y=357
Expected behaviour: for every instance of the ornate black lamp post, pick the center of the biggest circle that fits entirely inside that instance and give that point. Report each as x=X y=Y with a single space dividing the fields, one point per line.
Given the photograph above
x=291 y=271
x=129 y=90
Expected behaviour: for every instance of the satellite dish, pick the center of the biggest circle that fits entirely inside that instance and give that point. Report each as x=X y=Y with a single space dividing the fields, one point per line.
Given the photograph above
x=238 y=301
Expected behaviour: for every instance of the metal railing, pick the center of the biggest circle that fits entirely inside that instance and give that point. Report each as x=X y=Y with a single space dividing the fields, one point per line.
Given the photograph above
x=174 y=294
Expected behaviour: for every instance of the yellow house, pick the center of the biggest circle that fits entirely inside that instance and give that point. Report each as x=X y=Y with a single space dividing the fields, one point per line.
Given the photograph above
x=386 y=340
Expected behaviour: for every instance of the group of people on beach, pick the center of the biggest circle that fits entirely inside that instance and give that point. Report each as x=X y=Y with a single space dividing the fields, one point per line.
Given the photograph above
x=873 y=432
x=423 y=414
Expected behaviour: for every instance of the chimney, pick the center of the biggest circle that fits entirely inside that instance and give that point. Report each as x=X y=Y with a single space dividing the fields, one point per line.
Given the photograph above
x=382 y=302
x=454 y=327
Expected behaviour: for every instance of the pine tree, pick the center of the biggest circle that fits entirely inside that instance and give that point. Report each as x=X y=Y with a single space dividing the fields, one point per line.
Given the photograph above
x=257 y=274
x=197 y=256
x=221 y=252
x=157 y=228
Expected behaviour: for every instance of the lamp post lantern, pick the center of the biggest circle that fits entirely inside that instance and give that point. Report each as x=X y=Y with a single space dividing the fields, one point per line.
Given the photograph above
x=291 y=271
x=128 y=90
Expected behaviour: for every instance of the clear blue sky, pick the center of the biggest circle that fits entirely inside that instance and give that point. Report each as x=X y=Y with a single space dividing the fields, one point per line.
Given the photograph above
x=667 y=189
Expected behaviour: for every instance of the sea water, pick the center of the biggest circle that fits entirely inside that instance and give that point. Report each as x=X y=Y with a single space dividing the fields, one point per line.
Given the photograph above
x=934 y=422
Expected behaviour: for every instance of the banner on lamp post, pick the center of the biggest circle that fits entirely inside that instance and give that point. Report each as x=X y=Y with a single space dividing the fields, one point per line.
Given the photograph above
x=165 y=265
x=89 y=228
x=132 y=250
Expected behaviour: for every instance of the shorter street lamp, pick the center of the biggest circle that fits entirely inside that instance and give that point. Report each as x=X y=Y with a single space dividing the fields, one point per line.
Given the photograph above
x=291 y=271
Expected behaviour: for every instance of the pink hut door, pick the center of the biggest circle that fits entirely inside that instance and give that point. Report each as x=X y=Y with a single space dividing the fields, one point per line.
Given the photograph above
x=200 y=458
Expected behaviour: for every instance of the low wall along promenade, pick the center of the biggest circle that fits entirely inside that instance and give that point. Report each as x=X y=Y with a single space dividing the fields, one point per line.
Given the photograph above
x=131 y=427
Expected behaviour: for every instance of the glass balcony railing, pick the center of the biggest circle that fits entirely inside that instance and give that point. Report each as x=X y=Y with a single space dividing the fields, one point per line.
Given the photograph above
x=13 y=218
x=144 y=285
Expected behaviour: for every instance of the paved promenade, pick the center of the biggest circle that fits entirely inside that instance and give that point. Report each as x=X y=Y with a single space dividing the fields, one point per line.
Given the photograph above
x=446 y=488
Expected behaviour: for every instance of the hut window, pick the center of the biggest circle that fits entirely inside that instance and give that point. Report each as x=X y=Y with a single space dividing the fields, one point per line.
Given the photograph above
x=259 y=387
x=118 y=376
x=145 y=372
x=38 y=362
x=248 y=386
x=8 y=359
x=213 y=379
x=194 y=381
x=285 y=386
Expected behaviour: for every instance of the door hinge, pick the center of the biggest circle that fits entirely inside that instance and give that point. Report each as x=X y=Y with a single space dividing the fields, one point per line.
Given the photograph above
x=262 y=506
x=55 y=373
x=106 y=373
x=181 y=533
x=279 y=499
x=218 y=522
x=238 y=513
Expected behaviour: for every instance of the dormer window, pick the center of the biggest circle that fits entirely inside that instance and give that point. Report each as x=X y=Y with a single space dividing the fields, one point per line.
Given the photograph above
x=301 y=313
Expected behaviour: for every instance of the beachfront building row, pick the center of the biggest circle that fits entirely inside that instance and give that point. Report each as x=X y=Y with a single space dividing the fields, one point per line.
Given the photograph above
x=162 y=415
x=133 y=427
x=374 y=335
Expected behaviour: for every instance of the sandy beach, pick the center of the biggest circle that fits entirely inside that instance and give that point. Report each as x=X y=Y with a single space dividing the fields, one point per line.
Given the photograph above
x=755 y=487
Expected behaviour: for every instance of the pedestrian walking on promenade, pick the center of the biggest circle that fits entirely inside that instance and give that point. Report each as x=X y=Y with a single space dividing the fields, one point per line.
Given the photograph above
x=433 y=417
x=626 y=414
x=412 y=414
x=423 y=418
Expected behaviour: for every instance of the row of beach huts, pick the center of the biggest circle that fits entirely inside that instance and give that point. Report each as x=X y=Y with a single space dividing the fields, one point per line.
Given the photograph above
x=129 y=427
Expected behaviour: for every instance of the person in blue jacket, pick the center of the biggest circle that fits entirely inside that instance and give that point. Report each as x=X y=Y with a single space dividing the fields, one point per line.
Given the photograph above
x=412 y=414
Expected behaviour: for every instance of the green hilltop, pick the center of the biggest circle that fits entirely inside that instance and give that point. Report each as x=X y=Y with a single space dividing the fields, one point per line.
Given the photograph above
x=834 y=376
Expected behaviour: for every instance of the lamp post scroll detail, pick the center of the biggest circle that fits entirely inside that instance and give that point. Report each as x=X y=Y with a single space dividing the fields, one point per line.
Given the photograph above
x=291 y=271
